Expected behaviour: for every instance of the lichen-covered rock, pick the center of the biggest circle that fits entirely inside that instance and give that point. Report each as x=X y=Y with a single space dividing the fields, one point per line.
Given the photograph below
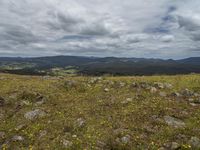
x=80 y=122
x=106 y=90
x=67 y=144
x=17 y=138
x=31 y=115
x=126 y=139
x=153 y=90
x=195 y=142
x=174 y=122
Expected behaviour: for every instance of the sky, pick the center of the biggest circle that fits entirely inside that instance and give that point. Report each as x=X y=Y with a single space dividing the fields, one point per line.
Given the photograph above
x=101 y=28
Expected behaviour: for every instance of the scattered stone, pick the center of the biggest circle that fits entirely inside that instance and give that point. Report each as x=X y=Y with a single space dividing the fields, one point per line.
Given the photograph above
x=74 y=136
x=120 y=131
x=176 y=94
x=122 y=84
x=128 y=100
x=125 y=139
x=67 y=144
x=191 y=100
x=162 y=94
x=168 y=85
x=34 y=114
x=106 y=90
x=2 y=135
x=171 y=121
x=70 y=84
x=17 y=138
x=187 y=93
x=172 y=146
x=2 y=101
x=175 y=146
x=20 y=127
x=193 y=104
x=195 y=142
x=80 y=122
x=134 y=85
x=26 y=103
x=40 y=102
x=159 y=85
x=145 y=85
x=153 y=90
x=196 y=95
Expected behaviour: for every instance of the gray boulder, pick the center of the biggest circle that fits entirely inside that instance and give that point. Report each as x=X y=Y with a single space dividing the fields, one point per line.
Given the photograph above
x=195 y=142
x=31 y=115
x=174 y=122
x=17 y=138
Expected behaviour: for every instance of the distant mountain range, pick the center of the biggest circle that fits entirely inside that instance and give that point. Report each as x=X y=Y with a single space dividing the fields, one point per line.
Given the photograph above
x=99 y=66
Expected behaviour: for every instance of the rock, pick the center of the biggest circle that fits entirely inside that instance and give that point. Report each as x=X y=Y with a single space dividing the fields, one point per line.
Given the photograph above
x=134 y=85
x=193 y=104
x=171 y=121
x=153 y=90
x=159 y=85
x=17 y=138
x=191 y=100
x=40 y=102
x=128 y=100
x=2 y=101
x=172 y=146
x=145 y=85
x=34 y=114
x=162 y=94
x=70 y=84
x=80 y=122
x=195 y=142
x=2 y=135
x=187 y=93
x=106 y=90
x=175 y=146
x=20 y=127
x=25 y=103
x=74 y=136
x=125 y=139
x=67 y=144
x=176 y=94
x=122 y=84
x=168 y=85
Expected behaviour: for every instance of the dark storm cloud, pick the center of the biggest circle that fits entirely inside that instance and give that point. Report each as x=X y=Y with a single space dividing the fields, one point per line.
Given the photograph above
x=17 y=34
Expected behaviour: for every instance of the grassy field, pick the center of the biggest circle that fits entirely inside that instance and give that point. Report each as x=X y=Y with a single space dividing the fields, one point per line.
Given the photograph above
x=86 y=113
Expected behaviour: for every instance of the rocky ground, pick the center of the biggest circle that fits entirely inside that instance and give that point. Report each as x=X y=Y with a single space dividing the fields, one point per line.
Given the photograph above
x=100 y=113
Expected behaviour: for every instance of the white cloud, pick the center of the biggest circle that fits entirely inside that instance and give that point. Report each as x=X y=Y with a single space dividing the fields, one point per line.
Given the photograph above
x=148 y=28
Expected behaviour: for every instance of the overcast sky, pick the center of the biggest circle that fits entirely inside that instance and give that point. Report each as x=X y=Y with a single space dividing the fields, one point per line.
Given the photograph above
x=122 y=28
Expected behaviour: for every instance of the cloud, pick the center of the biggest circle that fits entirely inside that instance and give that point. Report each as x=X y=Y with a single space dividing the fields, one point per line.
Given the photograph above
x=167 y=38
x=148 y=28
